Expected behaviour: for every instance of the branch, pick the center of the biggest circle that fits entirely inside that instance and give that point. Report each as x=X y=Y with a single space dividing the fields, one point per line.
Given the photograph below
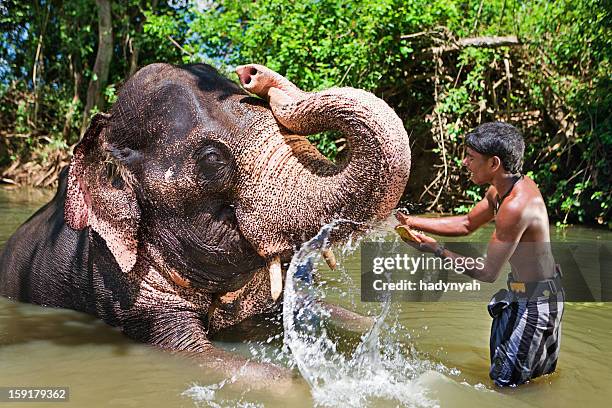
x=478 y=42
x=177 y=45
x=414 y=35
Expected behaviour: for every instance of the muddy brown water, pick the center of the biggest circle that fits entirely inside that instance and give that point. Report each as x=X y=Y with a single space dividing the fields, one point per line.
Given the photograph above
x=41 y=347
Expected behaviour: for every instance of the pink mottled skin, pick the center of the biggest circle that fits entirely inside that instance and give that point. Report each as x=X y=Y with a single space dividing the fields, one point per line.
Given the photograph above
x=269 y=85
x=375 y=172
x=178 y=201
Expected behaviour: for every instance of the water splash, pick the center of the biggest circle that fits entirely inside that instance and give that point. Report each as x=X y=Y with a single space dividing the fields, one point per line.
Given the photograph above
x=207 y=396
x=379 y=369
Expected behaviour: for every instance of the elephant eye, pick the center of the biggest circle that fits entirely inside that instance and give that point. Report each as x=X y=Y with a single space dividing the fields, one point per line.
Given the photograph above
x=212 y=160
x=210 y=156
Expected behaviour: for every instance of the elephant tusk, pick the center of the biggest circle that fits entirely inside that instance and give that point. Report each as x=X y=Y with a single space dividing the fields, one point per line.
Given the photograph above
x=276 y=278
x=330 y=258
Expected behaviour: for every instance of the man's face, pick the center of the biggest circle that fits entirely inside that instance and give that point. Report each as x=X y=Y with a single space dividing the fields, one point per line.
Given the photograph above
x=480 y=166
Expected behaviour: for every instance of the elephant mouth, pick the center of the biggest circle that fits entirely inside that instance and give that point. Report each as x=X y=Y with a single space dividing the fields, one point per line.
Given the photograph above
x=207 y=249
x=229 y=260
x=277 y=272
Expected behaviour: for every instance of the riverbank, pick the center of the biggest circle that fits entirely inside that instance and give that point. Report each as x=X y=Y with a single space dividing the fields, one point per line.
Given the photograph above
x=39 y=167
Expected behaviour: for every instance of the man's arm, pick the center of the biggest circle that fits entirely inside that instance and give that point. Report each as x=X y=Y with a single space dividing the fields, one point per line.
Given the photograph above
x=509 y=228
x=459 y=225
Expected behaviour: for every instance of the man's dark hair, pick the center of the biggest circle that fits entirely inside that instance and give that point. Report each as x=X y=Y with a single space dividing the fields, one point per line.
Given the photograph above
x=499 y=139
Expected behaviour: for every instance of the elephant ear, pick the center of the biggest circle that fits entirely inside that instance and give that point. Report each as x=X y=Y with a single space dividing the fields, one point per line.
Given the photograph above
x=98 y=196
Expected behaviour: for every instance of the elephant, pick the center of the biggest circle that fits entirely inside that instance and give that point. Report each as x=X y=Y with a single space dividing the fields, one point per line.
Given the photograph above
x=182 y=206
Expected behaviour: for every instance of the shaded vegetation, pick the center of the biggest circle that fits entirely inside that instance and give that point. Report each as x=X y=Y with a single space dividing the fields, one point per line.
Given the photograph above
x=551 y=77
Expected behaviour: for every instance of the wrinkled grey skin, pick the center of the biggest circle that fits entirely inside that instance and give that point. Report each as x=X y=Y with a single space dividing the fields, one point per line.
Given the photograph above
x=178 y=200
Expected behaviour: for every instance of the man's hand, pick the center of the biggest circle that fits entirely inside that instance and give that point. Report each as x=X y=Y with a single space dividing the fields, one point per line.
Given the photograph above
x=428 y=244
x=455 y=226
x=416 y=239
x=402 y=218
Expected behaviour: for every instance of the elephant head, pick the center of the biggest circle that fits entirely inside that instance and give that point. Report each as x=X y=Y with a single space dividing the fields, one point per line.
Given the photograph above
x=195 y=176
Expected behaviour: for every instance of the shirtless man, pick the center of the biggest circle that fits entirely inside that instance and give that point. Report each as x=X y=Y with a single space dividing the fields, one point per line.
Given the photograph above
x=526 y=330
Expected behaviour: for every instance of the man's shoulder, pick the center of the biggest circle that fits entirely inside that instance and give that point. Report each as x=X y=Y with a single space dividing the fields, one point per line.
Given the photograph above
x=524 y=206
x=521 y=204
x=514 y=208
x=525 y=195
x=514 y=211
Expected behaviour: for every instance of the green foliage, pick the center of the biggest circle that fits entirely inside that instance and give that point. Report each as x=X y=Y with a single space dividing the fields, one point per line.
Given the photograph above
x=316 y=43
x=473 y=194
x=577 y=81
x=557 y=89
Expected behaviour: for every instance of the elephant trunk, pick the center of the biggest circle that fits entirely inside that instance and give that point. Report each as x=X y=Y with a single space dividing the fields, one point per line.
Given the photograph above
x=292 y=190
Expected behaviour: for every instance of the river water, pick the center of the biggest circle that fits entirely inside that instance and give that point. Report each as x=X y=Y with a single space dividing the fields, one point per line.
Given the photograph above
x=417 y=354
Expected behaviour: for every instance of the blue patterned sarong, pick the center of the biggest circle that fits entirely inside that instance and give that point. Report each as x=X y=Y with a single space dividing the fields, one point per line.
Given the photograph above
x=525 y=336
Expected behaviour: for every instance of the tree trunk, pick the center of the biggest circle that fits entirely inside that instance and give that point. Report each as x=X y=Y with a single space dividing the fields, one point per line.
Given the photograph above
x=134 y=47
x=103 y=60
x=479 y=42
x=134 y=51
x=38 y=62
x=75 y=69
